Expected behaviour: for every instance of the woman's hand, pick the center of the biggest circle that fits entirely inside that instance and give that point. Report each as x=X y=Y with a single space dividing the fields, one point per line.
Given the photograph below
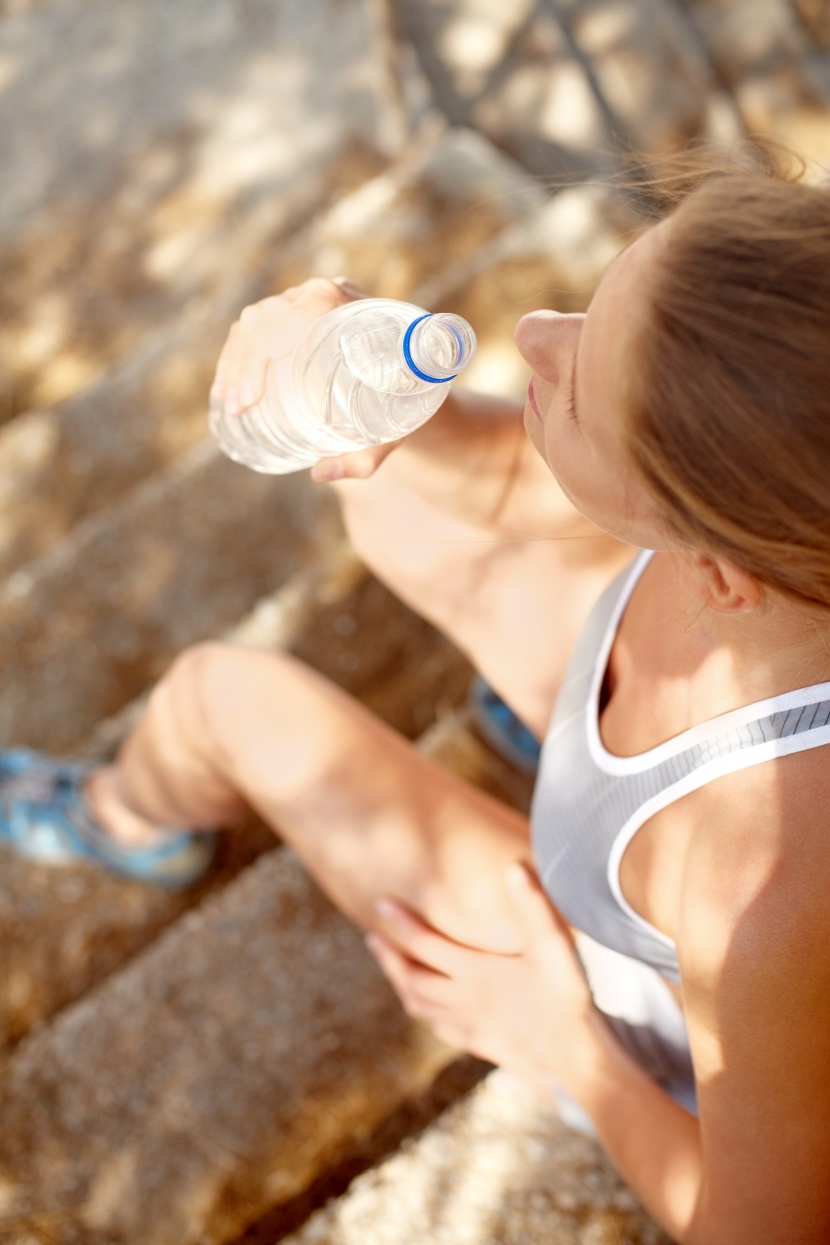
x=531 y=1013
x=270 y=330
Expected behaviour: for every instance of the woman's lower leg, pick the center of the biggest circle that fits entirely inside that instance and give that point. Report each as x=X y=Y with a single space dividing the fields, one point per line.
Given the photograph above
x=229 y=728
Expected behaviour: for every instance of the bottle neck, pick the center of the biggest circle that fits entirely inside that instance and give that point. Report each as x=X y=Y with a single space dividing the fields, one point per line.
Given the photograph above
x=437 y=347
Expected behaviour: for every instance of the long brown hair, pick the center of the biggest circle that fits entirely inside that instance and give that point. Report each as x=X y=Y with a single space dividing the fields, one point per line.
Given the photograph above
x=728 y=395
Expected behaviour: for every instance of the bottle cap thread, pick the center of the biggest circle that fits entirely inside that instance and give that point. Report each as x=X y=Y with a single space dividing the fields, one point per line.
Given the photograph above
x=410 y=362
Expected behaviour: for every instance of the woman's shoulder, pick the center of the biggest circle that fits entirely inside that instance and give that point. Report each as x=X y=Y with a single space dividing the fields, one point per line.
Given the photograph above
x=757 y=868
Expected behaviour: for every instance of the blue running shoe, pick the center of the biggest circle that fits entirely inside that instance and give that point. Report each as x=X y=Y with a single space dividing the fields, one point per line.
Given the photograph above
x=44 y=818
x=502 y=730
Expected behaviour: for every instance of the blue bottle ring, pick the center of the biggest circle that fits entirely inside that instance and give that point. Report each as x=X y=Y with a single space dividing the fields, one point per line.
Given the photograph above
x=410 y=362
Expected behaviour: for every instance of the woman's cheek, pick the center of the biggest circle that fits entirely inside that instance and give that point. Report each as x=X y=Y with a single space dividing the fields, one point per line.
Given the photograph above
x=562 y=455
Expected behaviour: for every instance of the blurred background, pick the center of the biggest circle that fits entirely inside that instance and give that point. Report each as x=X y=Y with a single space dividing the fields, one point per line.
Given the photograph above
x=214 y=1066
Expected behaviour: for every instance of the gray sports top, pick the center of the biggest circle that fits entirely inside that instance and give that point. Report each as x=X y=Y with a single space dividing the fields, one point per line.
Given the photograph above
x=589 y=804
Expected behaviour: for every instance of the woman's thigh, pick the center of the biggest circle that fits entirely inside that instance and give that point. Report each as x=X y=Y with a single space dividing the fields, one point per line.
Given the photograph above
x=369 y=814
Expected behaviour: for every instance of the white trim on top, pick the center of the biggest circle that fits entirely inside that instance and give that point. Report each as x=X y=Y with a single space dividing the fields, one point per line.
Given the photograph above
x=720 y=766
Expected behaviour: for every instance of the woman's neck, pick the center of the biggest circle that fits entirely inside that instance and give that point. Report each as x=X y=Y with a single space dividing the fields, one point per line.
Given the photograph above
x=778 y=645
x=676 y=662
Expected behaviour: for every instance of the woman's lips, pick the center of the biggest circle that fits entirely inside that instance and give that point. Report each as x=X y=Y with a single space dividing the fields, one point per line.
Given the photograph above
x=531 y=397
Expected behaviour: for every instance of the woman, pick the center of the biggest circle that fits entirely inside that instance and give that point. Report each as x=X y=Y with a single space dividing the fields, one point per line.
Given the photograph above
x=681 y=822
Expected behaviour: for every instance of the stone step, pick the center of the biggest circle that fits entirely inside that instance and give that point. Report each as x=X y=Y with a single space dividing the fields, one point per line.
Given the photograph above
x=249 y=1048
x=89 y=625
x=500 y=1166
x=61 y=465
x=78 y=457
x=152 y=149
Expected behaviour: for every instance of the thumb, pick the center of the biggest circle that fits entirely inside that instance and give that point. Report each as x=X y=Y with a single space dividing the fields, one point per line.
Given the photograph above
x=359 y=465
x=534 y=911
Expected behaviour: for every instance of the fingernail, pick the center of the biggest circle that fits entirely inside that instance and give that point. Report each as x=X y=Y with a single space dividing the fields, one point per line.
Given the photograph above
x=386 y=909
x=247 y=393
x=232 y=406
x=372 y=943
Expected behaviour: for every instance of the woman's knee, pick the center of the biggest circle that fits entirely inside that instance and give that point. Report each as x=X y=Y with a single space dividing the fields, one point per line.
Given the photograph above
x=216 y=694
x=190 y=697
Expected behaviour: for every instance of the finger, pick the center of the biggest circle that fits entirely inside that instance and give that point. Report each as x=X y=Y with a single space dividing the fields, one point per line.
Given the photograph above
x=237 y=395
x=533 y=909
x=392 y=964
x=418 y=988
x=357 y=466
x=412 y=936
x=267 y=330
x=239 y=380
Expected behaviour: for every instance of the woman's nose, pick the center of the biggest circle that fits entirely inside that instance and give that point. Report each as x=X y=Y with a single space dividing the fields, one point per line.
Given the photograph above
x=546 y=339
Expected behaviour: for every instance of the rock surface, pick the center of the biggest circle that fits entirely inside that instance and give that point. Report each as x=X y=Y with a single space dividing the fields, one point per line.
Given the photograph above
x=254 y=1043
x=499 y=1167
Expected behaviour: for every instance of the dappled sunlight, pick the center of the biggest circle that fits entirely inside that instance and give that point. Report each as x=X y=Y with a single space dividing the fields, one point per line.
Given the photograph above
x=569 y=112
x=155 y=167
x=475 y=38
x=68 y=372
x=604 y=28
x=38 y=341
x=10 y=68
x=243 y=141
x=182 y=1064
x=474 y=42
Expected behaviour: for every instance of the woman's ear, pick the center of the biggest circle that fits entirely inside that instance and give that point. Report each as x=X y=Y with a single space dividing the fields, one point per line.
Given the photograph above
x=726 y=587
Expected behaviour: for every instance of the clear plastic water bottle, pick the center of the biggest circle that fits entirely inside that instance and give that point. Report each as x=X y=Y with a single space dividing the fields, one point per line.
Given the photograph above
x=368 y=372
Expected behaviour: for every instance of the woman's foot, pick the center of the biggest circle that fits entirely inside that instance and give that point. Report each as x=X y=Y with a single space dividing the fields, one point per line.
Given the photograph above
x=45 y=816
